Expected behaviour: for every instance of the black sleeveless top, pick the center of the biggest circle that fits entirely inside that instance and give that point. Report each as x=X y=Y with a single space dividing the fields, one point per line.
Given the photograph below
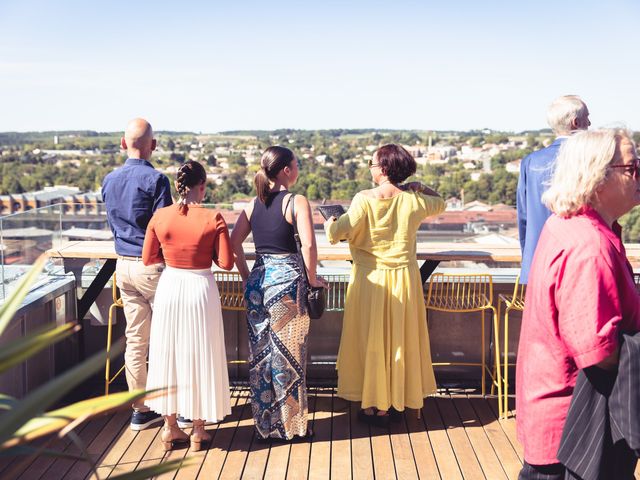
x=271 y=231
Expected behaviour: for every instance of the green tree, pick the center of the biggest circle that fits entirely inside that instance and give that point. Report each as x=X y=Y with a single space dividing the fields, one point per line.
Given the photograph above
x=631 y=224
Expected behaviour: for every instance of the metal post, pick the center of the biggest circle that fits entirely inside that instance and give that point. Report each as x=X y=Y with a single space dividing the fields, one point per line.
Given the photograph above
x=60 y=209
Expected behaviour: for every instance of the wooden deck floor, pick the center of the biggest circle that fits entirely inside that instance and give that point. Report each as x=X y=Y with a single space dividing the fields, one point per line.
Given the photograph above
x=458 y=436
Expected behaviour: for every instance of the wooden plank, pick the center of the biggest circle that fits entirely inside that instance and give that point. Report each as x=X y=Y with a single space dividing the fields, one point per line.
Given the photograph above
x=257 y=458
x=37 y=468
x=217 y=453
x=276 y=468
x=498 y=438
x=240 y=444
x=12 y=467
x=298 y=467
x=100 y=444
x=482 y=447
x=61 y=466
x=156 y=455
x=112 y=456
x=462 y=448
x=320 y=459
x=508 y=426
x=340 y=439
x=441 y=251
x=440 y=442
x=136 y=450
x=401 y=447
x=423 y=455
x=361 y=456
x=381 y=452
x=196 y=459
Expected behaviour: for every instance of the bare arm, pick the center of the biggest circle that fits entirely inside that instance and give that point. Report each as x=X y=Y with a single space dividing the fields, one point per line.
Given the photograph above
x=151 y=249
x=240 y=232
x=222 y=246
x=304 y=222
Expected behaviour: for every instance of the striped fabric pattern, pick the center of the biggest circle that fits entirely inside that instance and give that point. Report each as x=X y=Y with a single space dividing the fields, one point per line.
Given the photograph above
x=601 y=437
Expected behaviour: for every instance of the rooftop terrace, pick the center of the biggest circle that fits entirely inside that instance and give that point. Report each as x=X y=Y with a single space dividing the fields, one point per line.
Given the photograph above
x=458 y=435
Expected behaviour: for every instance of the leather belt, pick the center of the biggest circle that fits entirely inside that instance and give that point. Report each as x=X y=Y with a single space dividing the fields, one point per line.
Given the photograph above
x=132 y=259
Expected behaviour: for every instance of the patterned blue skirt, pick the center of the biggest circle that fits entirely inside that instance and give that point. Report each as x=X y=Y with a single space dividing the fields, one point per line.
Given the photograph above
x=278 y=327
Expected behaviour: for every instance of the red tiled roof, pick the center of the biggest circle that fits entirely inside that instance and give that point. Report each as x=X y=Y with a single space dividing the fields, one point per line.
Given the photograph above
x=502 y=215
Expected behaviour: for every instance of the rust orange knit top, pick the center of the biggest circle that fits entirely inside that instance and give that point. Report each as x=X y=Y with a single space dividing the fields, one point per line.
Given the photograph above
x=189 y=239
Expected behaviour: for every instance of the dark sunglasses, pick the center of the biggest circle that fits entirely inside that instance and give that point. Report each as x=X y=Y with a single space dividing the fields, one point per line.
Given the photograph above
x=371 y=164
x=633 y=168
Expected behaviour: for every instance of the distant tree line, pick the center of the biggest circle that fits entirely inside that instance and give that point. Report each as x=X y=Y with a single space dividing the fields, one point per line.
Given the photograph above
x=333 y=162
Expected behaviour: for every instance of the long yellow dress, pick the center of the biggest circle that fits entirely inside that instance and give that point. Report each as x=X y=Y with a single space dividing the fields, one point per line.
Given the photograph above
x=385 y=358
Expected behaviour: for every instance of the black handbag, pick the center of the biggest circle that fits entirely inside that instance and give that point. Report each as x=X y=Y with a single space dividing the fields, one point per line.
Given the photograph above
x=315 y=295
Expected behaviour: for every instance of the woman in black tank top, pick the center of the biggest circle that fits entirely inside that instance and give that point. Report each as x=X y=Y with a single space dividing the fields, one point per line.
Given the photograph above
x=275 y=295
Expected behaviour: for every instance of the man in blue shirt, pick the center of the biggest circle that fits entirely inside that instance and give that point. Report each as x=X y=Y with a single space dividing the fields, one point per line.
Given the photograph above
x=565 y=115
x=131 y=194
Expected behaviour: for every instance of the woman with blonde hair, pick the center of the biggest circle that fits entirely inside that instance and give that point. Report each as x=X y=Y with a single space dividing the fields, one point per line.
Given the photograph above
x=581 y=293
x=187 y=358
x=275 y=293
x=384 y=359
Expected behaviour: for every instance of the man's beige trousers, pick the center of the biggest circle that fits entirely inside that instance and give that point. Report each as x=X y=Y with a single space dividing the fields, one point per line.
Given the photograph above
x=137 y=284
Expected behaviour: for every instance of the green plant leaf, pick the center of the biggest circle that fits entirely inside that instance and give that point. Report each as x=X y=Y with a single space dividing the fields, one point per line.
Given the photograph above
x=34 y=404
x=153 y=471
x=17 y=351
x=27 y=450
x=13 y=302
x=76 y=413
x=7 y=402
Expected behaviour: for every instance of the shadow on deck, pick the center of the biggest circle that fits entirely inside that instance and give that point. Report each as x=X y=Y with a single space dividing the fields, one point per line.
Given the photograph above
x=458 y=436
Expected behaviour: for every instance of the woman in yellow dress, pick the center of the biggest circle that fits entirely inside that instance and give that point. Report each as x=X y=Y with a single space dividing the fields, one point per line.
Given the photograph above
x=384 y=359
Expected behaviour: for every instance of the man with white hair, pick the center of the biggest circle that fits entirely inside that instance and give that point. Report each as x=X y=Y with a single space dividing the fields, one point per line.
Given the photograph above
x=567 y=114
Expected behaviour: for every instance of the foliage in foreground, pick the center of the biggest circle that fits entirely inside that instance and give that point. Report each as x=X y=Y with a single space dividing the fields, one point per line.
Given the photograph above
x=27 y=419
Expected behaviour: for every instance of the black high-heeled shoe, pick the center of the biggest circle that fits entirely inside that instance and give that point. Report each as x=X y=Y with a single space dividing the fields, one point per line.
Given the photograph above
x=395 y=416
x=375 y=420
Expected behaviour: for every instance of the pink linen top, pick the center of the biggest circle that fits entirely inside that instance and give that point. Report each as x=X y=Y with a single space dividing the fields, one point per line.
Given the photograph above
x=580 y=297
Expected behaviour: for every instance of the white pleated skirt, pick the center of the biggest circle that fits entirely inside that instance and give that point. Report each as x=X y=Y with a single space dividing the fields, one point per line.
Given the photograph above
x=187 y=357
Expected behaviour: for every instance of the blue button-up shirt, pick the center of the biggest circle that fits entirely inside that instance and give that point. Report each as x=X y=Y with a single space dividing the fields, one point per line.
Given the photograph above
x=131 y=194
x=535 y=173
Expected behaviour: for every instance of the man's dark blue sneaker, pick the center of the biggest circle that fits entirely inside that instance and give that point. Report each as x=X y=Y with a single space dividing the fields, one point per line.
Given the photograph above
x=184 y=422
x=142 y=420
x=188 y=423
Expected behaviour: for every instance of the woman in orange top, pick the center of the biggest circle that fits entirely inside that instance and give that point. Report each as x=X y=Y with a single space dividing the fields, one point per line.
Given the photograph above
x=187 y=357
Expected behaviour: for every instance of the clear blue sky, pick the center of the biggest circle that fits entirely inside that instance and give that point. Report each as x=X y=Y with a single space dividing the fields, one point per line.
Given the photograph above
x=212 y=66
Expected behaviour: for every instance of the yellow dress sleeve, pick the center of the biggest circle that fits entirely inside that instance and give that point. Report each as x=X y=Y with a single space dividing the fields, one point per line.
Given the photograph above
x=345 y=226
x=430 y=204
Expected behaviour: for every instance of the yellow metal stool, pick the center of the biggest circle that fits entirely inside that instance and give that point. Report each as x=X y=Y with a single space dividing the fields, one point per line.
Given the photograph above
x=230 y=290
x=117 y=303
x=231 y=295
x=513 y=302
x=461 y=293
x=336 y=294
